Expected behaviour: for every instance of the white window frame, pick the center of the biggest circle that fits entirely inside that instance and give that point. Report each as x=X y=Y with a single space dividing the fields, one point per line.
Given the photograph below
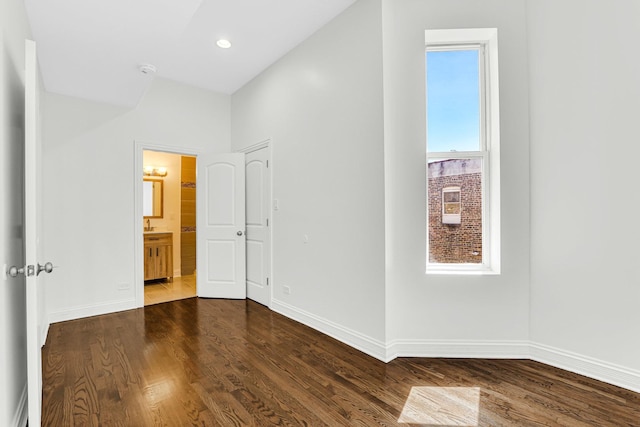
x=486 y=40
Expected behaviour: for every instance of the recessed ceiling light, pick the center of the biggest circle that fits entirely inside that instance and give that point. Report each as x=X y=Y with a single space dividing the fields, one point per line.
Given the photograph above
x=224 y=44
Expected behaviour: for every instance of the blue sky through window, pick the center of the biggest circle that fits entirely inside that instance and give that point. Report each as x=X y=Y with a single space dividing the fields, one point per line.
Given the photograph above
x=453 y=100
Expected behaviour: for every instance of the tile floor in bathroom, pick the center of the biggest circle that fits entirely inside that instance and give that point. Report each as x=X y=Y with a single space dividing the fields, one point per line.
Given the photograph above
x=156 y=292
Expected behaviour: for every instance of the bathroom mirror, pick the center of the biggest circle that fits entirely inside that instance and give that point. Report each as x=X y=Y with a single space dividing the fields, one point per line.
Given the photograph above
x=152 y=195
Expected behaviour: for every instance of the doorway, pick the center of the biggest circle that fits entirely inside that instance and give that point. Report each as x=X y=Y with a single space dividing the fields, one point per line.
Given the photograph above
x=165 y=233
x=259 y=248
x=169 y=211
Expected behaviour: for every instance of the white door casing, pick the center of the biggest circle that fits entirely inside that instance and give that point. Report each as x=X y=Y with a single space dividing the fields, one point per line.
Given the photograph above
x=220 y=220
x=258 y=200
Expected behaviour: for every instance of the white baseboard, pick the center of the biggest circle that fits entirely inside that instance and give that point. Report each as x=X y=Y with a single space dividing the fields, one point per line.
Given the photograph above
x=572 y=362
x=365 y=344
x=587 y=366
x=481 y=349
x=91 y=310
x=458 y=349
x=22 y=414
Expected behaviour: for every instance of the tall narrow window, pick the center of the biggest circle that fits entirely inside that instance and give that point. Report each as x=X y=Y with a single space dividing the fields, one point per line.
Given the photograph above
x=462 y=151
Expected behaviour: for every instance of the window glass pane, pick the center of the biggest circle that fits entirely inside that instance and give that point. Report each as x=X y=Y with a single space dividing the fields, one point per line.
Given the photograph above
x=451 y=201
x=453 y=100
x=455 y=210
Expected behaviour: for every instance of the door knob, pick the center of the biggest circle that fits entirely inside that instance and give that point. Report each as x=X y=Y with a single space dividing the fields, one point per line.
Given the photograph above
x=239 y=233
x=29 y=270
x=47 y=268
x=14 y=271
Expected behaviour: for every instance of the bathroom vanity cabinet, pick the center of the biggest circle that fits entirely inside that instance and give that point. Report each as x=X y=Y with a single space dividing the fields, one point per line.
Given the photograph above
x=158 y=256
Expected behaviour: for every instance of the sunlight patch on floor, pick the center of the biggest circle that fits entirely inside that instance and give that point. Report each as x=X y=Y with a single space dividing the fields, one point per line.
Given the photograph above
x=442 y=406
x=160 y=390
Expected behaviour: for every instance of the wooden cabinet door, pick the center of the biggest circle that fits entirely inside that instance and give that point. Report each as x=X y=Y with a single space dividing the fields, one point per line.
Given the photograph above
x=162 y=261
x=158 y=256
x=149 y=262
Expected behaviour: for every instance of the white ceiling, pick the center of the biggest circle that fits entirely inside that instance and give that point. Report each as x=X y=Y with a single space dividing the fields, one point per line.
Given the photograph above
x=92 y=48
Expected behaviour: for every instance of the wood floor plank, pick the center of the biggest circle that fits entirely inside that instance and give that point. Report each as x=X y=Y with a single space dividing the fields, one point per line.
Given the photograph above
x=200 y=362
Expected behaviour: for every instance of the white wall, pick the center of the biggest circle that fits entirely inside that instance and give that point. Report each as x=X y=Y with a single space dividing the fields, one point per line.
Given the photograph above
x=346 y=116
x=453 y=315
x=14 y=28
x=585 y=105
x=322 y=106
x=172 y=190
x=89 y=186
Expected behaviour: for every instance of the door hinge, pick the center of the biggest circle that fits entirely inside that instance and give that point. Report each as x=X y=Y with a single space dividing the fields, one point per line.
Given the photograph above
x=267 y=222
x=267 y=164
x=267 y=281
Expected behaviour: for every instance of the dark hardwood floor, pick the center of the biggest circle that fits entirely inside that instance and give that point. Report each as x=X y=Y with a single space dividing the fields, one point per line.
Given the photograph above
x=235 y=363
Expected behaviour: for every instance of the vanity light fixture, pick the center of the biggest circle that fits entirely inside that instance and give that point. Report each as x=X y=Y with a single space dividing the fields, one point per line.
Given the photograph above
x=223 y=43
x=155 y=171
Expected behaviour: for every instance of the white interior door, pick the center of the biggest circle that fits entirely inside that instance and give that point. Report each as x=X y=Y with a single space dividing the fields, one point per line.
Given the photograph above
x=258 y=208
x=220 y=224
x=33 y=254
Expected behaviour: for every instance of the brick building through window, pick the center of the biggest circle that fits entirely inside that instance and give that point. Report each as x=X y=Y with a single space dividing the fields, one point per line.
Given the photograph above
x=455 y=241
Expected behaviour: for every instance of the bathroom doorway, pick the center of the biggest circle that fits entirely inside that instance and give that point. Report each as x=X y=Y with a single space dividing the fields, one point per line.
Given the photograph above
x=169 y=226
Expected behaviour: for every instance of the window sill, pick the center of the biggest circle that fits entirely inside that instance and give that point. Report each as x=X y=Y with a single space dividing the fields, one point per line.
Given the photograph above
x=461 y=272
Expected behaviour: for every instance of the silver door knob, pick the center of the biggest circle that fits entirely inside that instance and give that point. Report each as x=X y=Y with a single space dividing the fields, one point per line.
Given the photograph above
x=14 y=271
x=47 y=268
x=239 y=233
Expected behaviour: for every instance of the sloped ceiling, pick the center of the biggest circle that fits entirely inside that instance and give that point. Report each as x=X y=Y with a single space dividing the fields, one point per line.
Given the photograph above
x=92 y=49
